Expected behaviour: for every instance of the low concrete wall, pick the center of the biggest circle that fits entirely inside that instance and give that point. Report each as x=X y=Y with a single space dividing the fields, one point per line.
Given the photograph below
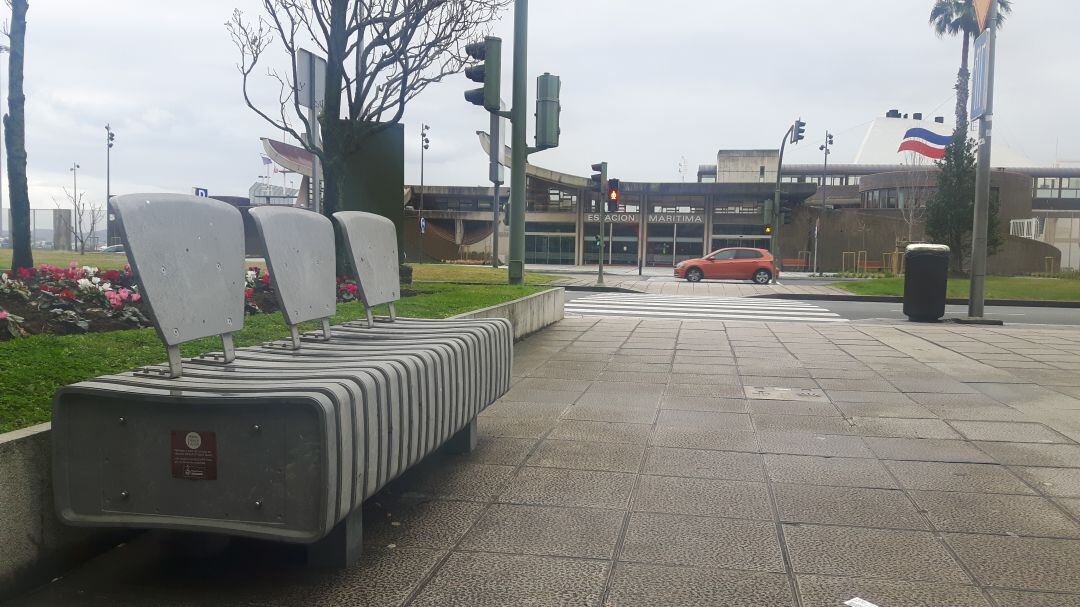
x=528 y=314
x=34 y=545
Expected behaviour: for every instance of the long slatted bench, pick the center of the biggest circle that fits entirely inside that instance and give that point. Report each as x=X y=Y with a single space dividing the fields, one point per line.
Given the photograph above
x=282 y=441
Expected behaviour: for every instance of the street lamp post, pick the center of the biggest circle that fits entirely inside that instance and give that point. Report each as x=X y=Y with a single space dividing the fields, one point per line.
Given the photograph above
x=825 y=147
x=110 y=136
x=424 y=144
x=74 y=194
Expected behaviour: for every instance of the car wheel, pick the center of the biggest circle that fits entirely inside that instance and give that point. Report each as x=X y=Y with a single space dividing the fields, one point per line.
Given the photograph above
x=762 y=277
x=694 y=275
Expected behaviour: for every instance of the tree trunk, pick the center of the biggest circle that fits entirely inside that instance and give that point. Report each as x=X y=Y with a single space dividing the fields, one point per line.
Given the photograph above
x=962 y=88
x=15 y=140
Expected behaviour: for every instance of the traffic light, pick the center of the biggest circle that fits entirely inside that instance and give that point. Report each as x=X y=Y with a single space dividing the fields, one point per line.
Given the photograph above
x=612 y=195
x=598 y=240
x=766 y=230
x=798 y=131
x=506 y=213
x=547 y=111
x=599 y=177
x=489 y=72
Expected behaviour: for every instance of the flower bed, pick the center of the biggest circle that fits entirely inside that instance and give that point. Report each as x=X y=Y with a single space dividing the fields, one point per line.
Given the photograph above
x=48 y=299
x=62 y=301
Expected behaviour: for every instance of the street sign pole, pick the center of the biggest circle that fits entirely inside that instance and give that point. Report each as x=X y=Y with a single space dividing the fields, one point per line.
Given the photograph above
x=983 y=102
x=774 y=240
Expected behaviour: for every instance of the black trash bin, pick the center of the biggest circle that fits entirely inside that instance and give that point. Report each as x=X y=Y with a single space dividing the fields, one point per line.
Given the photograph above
x=925 y=279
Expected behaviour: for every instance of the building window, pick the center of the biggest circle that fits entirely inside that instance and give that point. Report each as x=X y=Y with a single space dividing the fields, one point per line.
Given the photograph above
x=794 y=179
x=707 y=179
x=737 y=208
x=853 y=180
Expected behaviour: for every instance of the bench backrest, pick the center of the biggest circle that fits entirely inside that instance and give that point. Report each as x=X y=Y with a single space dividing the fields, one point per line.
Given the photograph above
x=371 y=242
x=187 y=253
x=299 y=248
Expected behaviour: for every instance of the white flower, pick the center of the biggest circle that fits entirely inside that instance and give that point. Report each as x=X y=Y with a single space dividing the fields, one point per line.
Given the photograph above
x=250 y=278
x=95 y=280
x=4 y=277
x=84 y=284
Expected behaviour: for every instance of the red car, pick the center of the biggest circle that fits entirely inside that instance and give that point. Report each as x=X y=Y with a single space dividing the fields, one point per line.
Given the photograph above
x=733 y=264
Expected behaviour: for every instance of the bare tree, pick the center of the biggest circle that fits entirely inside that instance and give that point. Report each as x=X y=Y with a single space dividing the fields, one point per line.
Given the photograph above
x=15 y=139
x=380 y=55
x=86 y=217
x=912 y=197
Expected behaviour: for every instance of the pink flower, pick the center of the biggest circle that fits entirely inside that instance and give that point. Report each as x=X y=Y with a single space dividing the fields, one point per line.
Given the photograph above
x=3 y=314
x=124 y=293
x=73 y=265
x=135 y=297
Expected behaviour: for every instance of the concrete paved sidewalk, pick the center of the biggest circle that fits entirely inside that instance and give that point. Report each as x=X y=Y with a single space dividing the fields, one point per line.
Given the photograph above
x=691 y=463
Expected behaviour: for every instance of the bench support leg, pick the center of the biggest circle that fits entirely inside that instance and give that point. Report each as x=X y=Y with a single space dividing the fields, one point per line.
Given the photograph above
x=464 y=441
x=342 y=547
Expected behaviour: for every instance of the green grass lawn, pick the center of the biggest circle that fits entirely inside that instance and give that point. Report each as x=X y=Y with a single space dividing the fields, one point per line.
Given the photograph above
x=435 y=272
x=33 y=368
x=997 y=287
x=104 y=261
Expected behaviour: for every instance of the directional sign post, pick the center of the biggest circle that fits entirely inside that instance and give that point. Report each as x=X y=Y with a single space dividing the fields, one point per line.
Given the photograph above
x=311 y=93
x=423 y=225
x=982 y=102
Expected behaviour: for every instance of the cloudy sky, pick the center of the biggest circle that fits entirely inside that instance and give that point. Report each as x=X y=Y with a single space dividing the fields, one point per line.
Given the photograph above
x=645 y=84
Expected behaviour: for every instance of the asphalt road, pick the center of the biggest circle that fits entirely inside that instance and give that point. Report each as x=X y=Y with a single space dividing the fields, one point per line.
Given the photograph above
x=866 y=310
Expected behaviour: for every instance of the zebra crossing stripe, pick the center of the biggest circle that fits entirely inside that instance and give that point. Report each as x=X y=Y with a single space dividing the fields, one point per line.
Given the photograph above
x=699 y=308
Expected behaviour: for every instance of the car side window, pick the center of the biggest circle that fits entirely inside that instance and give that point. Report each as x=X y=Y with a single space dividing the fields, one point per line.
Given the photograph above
x=724 y=255
x=747 y=254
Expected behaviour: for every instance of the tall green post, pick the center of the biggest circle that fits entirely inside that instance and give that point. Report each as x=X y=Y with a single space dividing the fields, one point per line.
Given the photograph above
x=519 y=147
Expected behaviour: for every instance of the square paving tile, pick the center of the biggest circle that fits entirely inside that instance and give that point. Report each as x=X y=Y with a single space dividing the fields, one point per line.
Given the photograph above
x=1014 y=432
x=703 y=438
x=497 y=580
x=851 y=506
x=704 y=419
x=613 y=412
x=433 y=524
x=730 y=465
x=518 y=409
x=667 y=539
x=499 y=450
x=780 y=382
x=615 y=457
x=951 y=476
x=619 y=399
x=601 y=432
x=833 y=471
x=884 y=410
x=904 y=427
x=557 y=487
x=794 y=407
x=637 y=585
x=1012 y=598
x=626 y=388
x=474 y=482
x=711 y=391
x=1034 y=454
x=1070 y=504
x=702 y=403
x=381 y=578
x=999 y=514
x=765 y=422
x=1020 y=562
x=820 y=591
x=871 y=553
x=1059 y=482
x=927 y=450
x=546 y=530
x=859 y=396
x=514 y=427
x=701 y=496
x=802 y=443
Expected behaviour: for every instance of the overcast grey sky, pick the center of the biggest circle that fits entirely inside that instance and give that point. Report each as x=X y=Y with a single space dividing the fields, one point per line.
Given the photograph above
x=644 y=84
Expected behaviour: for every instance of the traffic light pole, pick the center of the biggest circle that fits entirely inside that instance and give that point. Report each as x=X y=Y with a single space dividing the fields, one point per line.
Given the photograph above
x=603 y=217
x=774 y=242
x=518 y=144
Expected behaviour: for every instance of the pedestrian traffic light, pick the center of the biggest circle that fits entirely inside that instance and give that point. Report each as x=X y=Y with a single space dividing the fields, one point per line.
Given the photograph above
x=488 y=72
x=798 y=131
x=612 y=195
x=597 y=240
x=506 y=213
x=766 y=230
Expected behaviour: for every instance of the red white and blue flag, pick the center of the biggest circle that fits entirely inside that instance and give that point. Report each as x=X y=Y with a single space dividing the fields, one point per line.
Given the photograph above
x=927 y=143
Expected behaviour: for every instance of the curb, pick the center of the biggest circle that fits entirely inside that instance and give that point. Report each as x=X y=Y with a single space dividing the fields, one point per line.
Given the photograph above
x=603 y=289
x=1026 y=303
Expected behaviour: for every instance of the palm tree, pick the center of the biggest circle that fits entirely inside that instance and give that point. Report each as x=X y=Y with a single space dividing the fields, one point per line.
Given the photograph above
x=957 y=17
